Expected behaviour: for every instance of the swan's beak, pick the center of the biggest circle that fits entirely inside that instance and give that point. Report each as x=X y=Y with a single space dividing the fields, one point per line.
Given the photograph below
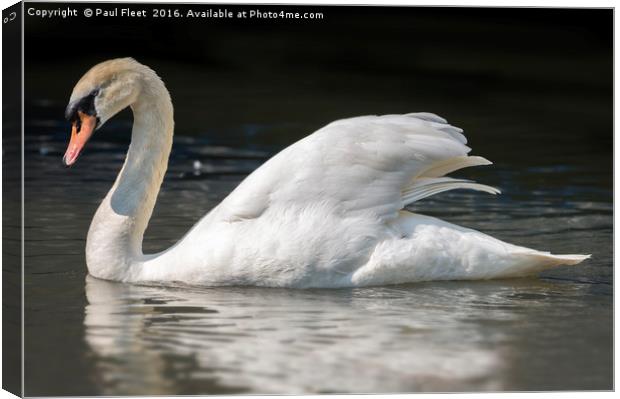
x=81 y=130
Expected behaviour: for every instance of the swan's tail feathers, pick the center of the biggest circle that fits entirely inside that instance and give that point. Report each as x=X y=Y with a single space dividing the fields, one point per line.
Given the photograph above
x=558 y=260
x=572 y=259
x=531 y=262
x=427 y=186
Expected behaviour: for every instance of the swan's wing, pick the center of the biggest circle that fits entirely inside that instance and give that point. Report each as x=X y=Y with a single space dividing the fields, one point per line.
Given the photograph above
x=371 y=164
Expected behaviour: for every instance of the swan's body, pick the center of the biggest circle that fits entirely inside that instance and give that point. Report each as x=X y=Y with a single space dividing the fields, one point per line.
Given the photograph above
x=328 y=211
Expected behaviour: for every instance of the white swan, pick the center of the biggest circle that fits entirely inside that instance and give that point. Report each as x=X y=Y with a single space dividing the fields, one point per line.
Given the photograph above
x=328 y=211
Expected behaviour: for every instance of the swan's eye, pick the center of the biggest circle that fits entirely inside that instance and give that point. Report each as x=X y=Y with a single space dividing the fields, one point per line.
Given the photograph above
x=78 y=123
x=86 y=105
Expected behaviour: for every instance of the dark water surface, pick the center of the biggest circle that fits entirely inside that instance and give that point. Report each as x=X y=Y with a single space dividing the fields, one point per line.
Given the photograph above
x=542 y=115
x=549 y=333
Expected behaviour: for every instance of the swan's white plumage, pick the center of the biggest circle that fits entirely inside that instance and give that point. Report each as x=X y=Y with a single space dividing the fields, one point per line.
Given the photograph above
x=363 y=164
x=325 y=212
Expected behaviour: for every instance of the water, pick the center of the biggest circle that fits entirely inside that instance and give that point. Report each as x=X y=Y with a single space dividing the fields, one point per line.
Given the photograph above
x=534 y=97
x=114 y=339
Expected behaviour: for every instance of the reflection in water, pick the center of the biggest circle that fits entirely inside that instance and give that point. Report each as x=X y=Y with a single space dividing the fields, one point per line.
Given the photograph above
x=444 y=336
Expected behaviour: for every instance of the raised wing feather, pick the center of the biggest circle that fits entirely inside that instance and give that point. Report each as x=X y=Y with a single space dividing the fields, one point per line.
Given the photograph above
x=370 y=164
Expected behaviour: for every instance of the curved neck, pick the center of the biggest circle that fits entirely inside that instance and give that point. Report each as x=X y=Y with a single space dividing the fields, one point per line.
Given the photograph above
x=114 y=242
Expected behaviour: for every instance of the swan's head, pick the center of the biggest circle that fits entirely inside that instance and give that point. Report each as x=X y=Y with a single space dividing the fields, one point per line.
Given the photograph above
x=106 y=89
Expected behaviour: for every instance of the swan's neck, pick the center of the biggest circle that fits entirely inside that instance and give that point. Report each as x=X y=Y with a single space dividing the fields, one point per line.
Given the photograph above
x=114 y=242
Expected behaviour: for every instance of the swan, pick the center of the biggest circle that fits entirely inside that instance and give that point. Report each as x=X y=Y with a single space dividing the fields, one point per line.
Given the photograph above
x=328 y=211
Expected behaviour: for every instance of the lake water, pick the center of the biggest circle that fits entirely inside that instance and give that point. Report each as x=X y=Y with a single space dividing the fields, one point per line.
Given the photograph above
x=533 y=97
x=86 y=337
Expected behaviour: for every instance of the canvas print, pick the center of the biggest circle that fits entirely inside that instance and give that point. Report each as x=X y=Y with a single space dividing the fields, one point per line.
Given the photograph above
x=308 y=199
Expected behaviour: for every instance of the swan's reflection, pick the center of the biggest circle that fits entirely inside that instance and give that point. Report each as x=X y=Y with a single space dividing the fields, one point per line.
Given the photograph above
x=155 y=340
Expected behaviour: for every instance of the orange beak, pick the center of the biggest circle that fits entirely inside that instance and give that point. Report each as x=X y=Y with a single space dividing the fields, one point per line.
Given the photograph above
x=80 y=133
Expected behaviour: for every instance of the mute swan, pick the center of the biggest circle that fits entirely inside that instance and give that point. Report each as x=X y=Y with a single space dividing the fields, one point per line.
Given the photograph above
x=328 y=211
